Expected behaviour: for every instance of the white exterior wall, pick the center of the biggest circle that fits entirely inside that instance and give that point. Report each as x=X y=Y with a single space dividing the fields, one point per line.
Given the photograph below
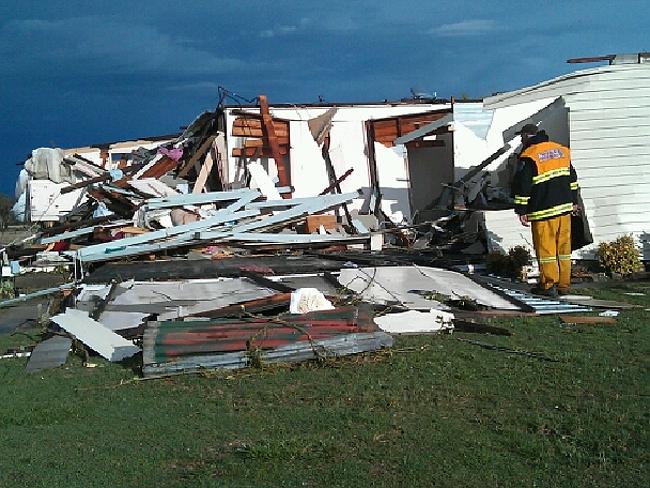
x=47 y=204
x=609 y=127
x=347 y=149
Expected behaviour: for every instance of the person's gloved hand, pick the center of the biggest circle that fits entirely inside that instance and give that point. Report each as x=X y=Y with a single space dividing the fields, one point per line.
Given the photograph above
x=524 y=220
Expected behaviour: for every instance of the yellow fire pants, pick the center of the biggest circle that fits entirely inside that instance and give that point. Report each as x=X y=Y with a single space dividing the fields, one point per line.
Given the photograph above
x=552 y=241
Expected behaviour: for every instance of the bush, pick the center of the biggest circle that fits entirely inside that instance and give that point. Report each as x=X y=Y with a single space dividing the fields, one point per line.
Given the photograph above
x=510 y=264
x=620 y=256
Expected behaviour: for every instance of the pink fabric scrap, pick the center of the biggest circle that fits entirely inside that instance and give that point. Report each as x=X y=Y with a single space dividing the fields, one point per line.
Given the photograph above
x=175 y=153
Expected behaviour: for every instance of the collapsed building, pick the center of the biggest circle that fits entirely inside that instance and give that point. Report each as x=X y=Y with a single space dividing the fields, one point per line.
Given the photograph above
x=272 y=210
x=404 y=157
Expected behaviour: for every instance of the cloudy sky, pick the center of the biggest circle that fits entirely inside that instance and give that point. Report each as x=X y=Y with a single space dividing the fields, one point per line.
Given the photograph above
x=78 y=72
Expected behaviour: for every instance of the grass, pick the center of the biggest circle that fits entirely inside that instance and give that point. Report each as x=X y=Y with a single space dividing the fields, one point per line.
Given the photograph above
x=434 y=411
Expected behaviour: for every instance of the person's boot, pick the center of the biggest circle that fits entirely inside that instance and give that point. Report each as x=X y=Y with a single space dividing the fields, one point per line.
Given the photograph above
x=563 y=291
x=547 y=292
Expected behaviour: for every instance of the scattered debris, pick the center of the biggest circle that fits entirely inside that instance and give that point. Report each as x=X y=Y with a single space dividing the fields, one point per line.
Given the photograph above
x=265 y=234
x=181 y=346
x=609 y=313
x=541 y=305
x=414 y=322
x=49 y=354
x=587 y=319
x=402 y=285
x=105 y=342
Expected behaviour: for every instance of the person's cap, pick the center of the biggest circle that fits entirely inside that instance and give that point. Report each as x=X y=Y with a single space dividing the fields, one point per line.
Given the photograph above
x=529 y=129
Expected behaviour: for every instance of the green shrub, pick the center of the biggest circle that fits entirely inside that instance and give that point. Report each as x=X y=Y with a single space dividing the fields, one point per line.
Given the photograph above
x=509 y=265
x=6 y=289
x=620 y=256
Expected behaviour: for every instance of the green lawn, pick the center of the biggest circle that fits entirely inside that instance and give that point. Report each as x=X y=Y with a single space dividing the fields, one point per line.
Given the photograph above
x=432 y=412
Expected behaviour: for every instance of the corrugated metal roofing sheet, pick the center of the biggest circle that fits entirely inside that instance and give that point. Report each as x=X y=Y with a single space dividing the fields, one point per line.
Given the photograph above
x=175 y=346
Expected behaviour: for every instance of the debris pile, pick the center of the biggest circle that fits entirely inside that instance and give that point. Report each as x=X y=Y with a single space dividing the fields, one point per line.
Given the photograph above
x=180 y=266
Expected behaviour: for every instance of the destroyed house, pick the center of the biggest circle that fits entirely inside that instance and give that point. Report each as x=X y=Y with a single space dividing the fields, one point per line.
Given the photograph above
x=402 y=154
x=360 y=142
x=413 y=160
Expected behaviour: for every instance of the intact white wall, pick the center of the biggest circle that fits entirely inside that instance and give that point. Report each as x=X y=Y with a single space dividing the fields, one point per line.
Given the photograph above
x=610 y=149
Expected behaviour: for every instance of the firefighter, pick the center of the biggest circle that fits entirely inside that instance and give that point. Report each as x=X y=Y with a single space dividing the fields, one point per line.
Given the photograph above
x=546 y=194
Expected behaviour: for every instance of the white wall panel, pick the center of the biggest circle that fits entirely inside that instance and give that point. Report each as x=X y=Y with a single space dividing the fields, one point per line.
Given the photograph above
x=640 y=140
x=597 y=155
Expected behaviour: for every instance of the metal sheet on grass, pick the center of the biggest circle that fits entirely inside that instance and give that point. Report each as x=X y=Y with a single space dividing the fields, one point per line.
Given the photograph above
x=49 y=354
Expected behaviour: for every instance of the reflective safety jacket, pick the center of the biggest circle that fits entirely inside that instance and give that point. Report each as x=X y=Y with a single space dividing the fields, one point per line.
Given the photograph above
x=546 y=186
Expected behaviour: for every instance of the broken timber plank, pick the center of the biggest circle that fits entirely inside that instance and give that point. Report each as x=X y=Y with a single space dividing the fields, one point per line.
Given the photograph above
x=206 y=168
x=197 y=199
x=200 y=152
x=220 y=217
x=284 y=176
x=586 y=320
x=311 y=206
x=592 y=302
x=80 y=232
x=279 y=300
x=36 y=294
x=479 y=328
x=331 y=172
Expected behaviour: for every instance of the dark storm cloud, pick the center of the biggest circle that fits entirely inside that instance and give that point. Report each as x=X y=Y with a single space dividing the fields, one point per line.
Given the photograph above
x=78 y=72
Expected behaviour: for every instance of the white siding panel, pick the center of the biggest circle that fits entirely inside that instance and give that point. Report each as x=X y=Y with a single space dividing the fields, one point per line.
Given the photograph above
x=603 y=96
x=597 y=154
x=641 y=140
x=615 y=205
x=626 y=224
x=605 y=159
x=608 y=180
x=587 y=128
x=639 y=191
x=613 y=113
x=642 y=170
x=605 y=85
x=617 y=131
x=600 y=105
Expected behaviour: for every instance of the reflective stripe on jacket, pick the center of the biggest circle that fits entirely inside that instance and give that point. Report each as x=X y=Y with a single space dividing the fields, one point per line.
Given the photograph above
x=547 y=185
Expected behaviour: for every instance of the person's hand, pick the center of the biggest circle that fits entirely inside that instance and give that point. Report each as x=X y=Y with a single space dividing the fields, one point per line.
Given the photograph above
x=524 y=220
x=576 y=209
